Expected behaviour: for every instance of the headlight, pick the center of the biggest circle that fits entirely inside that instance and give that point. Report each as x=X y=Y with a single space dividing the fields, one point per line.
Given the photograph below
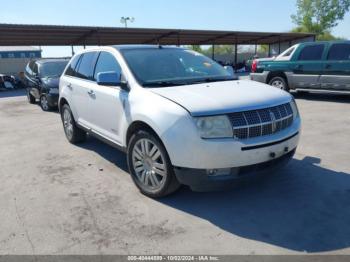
x=214 y=126
x=295 y=110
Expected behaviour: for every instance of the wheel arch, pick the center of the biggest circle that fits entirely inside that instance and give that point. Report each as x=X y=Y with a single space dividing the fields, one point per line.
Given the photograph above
x=273 y=74
x=137 y=126
x=62 y=102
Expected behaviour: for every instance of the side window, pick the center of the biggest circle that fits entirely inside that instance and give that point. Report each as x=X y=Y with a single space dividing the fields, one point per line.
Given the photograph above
x=288 y=52
x=311 y=52
x=339 y=52
x=106 y=63
x=86 y=65
x=70 y=71
x=35 y=69
x=29 y=68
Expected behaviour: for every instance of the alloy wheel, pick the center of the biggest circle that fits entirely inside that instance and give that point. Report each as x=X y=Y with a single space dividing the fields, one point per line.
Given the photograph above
x=149 y=164
x=68 y=123
x=44 y=103
x=278 y=84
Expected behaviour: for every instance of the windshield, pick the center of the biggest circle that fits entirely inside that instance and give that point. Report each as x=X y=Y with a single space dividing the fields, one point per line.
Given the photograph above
x=157 y=67
x=52 y=69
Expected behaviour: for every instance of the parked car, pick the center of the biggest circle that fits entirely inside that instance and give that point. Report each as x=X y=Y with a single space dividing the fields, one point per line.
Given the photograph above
x=315 y=66
x=42 y=81
x=178 y=115
x=7 y=82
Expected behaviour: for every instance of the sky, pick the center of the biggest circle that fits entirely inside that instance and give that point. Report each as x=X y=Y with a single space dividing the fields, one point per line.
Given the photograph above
x=236 y=15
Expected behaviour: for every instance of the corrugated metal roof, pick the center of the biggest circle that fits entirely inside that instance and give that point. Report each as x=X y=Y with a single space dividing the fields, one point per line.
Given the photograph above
x=16 y=34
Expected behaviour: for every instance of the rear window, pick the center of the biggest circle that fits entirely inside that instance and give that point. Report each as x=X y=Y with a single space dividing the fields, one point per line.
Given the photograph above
x=311 y=52
x=86 y=66
x=339 y=52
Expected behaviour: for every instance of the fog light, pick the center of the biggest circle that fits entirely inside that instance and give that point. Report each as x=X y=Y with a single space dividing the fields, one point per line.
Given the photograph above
x=219 y=172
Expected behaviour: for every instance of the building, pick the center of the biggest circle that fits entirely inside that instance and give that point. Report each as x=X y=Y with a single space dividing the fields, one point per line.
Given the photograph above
x=13 y=59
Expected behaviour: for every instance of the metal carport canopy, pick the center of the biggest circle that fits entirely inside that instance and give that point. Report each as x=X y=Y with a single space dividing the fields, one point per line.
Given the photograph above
x=57 y=35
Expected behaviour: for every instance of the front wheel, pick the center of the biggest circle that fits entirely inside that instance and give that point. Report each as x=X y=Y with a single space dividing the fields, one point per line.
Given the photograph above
x=280 y=83
x=44 y=103
x=73 y=133
x=150 y=166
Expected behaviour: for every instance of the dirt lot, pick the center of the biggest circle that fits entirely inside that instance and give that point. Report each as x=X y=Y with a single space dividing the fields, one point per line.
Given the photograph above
x=56 y=198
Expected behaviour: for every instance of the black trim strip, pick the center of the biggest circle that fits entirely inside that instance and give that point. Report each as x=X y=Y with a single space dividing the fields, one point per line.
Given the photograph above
x=268 y=144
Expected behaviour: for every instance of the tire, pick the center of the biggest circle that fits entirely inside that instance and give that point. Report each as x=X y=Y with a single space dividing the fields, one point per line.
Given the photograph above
x=73 y=133
x=44 y=104
x=150 y=166
x=279 y=82
x=31 y=98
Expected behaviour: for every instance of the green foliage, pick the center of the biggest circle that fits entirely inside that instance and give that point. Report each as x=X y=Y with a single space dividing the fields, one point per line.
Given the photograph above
x=196 y=48
x=263 y=49
x=220 y=50
x=319 y=16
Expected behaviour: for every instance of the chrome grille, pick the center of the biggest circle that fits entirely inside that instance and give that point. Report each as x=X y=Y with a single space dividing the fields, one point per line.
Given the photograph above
x=261 y=122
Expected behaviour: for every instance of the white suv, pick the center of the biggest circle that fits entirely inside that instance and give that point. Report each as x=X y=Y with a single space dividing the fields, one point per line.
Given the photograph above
x=180 y=117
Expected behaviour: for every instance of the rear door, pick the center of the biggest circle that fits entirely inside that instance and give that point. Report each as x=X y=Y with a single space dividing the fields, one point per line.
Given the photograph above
x=107 y=102
x=82 y=84
x=308 y=66
x=336 y=74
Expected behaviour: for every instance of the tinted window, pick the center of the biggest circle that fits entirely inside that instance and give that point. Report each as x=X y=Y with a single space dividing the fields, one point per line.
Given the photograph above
x=72 y=66
x=35 y=69
x=311 y=52
x=52 y=69
x=163 y=66
x=86 y=65
x=29 y=68
x=339 y=52
x=106 y=63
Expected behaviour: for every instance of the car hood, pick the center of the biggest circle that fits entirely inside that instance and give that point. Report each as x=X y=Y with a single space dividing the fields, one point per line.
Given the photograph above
x=51 y=82
x=224 y=97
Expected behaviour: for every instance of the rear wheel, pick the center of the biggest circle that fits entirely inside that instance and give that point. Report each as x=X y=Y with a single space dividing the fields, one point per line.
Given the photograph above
x=280 y=83
x=150 y=166
x=31 y=98
x=73 y=133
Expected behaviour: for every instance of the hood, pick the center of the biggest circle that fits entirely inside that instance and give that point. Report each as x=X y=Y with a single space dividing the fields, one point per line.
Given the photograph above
x=51 y=82
x=224 y=97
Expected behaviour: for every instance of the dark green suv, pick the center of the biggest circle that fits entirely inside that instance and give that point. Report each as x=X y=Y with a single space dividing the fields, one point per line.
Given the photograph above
x=315 y=66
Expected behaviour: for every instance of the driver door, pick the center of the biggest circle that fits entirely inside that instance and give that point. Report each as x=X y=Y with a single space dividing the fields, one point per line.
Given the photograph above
x=107 y=102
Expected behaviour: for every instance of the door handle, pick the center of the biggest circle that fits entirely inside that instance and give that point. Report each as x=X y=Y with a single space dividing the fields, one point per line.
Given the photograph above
x=328 y=66
x=299 y=67
x=91 y=92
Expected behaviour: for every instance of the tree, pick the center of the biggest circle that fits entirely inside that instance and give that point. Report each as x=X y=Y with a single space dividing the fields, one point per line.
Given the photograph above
x=319 y=16
x=196 y=48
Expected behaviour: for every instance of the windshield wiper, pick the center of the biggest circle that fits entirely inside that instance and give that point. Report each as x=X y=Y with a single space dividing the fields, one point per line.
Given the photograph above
x=163 y=84
x=210 y=80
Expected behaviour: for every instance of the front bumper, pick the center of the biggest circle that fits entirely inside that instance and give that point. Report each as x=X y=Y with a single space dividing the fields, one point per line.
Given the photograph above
x=200 y=180
x=259 y=77
x=52 y=99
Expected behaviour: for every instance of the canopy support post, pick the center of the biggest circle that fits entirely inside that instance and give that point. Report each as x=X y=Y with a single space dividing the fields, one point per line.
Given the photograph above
x=236 y=58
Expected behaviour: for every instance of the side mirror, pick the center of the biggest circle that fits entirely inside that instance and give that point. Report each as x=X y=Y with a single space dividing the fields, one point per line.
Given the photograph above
x=112 y=79
x=108 y=79
x=37 y=78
